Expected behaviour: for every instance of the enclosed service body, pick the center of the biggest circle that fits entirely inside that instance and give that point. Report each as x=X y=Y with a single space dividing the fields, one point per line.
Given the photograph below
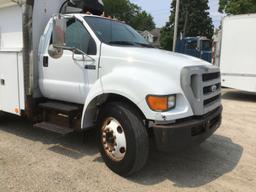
x=69 y=71
x=237 y=52
x=20 y=32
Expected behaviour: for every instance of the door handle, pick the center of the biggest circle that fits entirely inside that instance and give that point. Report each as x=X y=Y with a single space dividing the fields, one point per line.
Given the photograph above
x=90 y=67
x=45 y=61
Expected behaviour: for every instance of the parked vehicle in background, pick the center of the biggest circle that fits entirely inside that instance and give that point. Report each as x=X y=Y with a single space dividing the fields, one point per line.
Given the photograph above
x=237 y=52
x=70 y=71
x=200 y=47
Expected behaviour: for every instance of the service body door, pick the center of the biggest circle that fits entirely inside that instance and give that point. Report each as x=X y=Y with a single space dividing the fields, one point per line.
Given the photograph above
x=10 y=90
x=12 y=99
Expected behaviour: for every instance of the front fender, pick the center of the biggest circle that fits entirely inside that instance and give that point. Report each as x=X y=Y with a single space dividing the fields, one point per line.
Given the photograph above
x=136 y=83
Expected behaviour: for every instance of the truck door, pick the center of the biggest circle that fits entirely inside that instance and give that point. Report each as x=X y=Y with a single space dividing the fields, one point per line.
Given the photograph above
x=69 y=77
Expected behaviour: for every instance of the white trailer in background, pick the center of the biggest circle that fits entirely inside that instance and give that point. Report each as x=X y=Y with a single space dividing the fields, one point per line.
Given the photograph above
x=238 y=52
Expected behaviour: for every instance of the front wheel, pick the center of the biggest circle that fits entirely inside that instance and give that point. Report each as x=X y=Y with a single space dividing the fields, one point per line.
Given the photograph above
x=123 y=138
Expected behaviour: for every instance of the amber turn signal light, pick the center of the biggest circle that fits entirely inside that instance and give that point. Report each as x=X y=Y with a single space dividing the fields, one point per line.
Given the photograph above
x=161 y=103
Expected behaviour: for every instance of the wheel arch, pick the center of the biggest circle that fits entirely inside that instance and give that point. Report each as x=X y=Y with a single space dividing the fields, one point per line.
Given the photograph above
x=92 y=110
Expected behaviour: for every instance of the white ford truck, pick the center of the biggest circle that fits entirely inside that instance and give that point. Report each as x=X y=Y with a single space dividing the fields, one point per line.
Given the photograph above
x=68 y=71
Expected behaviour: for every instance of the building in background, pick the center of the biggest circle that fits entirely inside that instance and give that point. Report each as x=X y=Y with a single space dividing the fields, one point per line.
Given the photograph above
x=148 y=36
x=152 y=36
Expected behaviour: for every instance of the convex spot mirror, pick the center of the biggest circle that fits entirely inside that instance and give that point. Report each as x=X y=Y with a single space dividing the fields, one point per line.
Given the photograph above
x=55 y=52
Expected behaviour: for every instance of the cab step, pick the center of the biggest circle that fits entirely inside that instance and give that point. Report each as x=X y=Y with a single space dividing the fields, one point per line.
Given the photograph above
x=61 y=114
x=60 y=107
x=53 y=128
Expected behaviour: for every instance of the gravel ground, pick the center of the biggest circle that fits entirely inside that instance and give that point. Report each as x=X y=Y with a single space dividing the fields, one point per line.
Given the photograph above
x=34 y=160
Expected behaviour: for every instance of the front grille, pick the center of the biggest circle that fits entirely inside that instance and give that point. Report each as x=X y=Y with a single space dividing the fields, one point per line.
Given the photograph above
x=208 y=89
x=211 y=76
x=202 y=87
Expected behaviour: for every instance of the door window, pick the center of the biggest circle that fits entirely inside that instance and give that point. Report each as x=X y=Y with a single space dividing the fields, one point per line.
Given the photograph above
x=78 y=37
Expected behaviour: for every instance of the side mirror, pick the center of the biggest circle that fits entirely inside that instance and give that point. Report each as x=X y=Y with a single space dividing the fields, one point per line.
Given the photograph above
x=55 y=52
x=59 y=29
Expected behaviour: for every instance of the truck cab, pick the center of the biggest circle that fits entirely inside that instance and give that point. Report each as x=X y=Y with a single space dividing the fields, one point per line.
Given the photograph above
x=92 y=72
x=200 y=47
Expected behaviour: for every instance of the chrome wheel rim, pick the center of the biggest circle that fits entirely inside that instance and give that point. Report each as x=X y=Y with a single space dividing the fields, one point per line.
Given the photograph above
x=113 y=139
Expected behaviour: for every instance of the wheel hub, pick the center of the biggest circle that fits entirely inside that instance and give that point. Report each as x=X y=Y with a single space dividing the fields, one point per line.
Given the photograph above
x=113 y=139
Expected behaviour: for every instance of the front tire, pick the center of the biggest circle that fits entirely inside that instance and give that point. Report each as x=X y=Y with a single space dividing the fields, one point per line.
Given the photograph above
x=123 y=138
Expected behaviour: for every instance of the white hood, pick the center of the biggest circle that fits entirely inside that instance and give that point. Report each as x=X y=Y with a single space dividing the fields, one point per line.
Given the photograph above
x=150 y=57
x=162 y=56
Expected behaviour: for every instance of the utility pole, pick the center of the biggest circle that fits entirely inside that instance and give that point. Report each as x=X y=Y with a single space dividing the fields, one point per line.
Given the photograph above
x=176 y=25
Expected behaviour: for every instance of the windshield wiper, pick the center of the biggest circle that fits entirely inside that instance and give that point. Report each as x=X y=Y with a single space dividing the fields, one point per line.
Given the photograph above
x=130 y=43
x=144 y=45
x=121 y=43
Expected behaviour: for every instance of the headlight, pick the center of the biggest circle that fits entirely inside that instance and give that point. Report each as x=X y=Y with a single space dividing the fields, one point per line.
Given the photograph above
x=161 y=103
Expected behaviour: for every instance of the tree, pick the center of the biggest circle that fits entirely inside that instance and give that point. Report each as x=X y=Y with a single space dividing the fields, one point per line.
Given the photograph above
x=166 y=38
x=236 y=7
x=143 y=21
x=131 y=13
x=194 y=20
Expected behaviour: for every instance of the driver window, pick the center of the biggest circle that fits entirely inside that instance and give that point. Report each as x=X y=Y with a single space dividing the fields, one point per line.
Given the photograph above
x=77 y=36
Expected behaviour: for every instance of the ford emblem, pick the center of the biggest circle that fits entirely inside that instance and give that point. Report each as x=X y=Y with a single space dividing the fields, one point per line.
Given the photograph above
x=214 y=88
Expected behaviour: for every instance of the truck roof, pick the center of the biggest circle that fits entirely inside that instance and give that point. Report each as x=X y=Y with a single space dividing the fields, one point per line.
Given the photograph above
x=242 y=16
x=96 y=16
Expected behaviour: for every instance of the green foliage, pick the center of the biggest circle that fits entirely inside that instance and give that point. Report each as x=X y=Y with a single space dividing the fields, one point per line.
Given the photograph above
x=166 y=38
x=194 y=20
x=143 y=21
x=131 y=13
x=236 y=7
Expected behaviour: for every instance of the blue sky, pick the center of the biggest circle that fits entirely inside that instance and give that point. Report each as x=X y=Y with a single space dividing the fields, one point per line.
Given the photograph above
x=160 y=10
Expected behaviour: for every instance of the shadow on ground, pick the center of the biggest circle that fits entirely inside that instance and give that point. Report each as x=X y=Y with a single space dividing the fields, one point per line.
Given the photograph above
x=75 y=145
x=238 y=95
x=192 y=168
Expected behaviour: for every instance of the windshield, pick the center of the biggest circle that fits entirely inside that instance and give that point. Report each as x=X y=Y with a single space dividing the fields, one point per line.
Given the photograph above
x=116 y=33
